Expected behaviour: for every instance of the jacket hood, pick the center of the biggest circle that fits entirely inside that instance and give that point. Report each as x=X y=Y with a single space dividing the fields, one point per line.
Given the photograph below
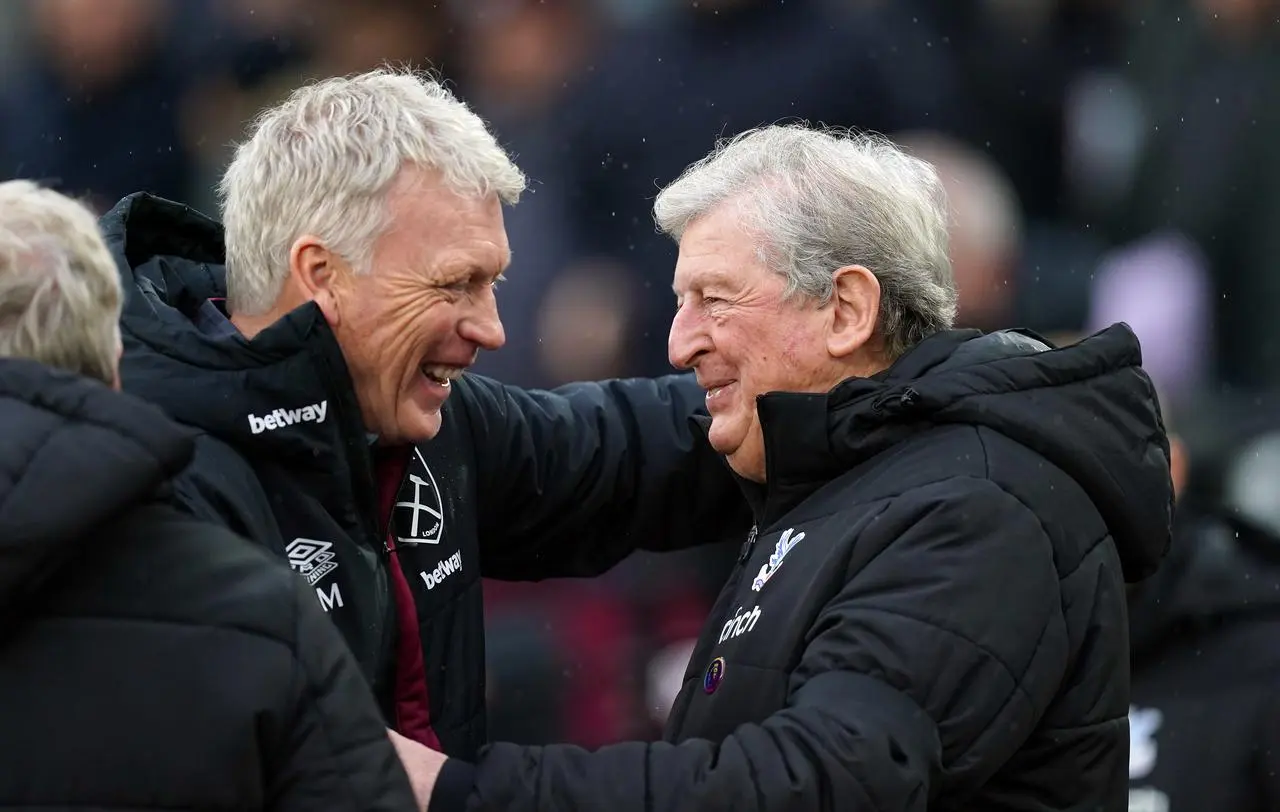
x=74 y=455
x=1088 y=408
x=286 y=394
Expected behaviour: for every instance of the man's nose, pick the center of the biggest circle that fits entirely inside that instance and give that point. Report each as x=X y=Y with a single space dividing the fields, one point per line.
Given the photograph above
x=687 y=339
x=482 y=325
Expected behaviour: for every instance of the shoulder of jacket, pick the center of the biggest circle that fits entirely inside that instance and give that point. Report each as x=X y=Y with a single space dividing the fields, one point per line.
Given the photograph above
x=471 y=392
x=475 y=401
x=220 y=485
x=981 y=460
x=214 y=453
x=210 y=576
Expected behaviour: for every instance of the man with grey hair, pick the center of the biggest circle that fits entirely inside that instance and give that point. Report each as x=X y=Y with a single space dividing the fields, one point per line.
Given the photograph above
x=930 y=613
x=148 y=660
x=363 y=241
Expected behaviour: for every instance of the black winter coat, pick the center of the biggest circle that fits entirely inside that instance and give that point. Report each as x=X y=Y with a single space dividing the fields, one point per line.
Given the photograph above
x=932 y=613
x=148 y=661
x=517 y=485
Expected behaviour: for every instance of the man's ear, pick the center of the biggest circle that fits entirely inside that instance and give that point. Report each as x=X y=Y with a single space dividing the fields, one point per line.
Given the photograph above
x=855 y=309
x=316 y=273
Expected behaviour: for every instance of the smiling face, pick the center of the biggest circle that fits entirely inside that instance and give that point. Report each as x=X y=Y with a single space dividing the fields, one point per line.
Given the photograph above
x=424 y=311
x=743 y=338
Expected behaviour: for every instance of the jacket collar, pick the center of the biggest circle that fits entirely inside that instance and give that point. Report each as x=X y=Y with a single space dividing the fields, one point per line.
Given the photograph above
x=285 y=396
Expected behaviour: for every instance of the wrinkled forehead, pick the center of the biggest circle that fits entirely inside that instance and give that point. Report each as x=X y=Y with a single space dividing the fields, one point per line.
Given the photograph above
x=702 y=273
x=717 y=249
x=719 y=267
x=432 y=226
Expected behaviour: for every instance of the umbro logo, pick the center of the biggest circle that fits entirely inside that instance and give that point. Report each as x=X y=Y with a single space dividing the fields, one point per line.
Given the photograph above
x=314 y=559
x=311 y=558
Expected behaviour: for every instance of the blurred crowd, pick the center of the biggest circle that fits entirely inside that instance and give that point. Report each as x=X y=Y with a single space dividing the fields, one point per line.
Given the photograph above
x=1106 y=160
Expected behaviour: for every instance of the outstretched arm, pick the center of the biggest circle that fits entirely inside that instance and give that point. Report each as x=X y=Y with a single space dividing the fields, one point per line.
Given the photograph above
x=571 y=481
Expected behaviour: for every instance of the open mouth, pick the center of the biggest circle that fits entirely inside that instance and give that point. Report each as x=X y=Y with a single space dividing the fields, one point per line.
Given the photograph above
x=715 y=390
x=442 y=375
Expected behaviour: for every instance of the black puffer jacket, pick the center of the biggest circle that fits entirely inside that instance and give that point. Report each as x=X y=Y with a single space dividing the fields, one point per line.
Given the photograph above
x=932 y=614
x=148 y=661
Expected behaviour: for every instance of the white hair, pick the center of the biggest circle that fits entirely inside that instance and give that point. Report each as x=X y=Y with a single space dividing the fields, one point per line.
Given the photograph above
x=822 y=199
x=323 y=161
x=60 y=291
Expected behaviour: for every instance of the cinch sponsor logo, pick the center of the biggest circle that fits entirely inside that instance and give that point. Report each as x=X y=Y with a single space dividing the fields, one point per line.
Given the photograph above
x=287 y=417
x=443 y=570
x=740 y=624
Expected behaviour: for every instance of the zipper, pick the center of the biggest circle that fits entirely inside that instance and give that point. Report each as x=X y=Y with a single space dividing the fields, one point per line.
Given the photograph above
x=749 y=545
x=364 y=494
x=907 y=398
x=719 y=611
x=386 y=656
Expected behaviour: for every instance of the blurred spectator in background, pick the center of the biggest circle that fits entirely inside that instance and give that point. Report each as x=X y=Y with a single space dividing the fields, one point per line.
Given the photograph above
x=269 y=47
x=1200 y=79
x=97 y=112
x=1161 y=286
x=1016 y=63
x=986 y=228
x=1205 y=721
x=519 y=62
x=147 y=660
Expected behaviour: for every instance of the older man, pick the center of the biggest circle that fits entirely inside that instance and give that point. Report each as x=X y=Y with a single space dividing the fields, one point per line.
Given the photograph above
x=148 y=660
x=931 y=612
x=363 y=241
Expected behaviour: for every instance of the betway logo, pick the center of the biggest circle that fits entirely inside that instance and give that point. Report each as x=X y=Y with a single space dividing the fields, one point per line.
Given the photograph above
x=443 y=570
x=287 y=417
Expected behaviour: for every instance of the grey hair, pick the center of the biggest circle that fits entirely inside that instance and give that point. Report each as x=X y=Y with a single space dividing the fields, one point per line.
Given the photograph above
x=819 y=199
x=323 y=162
x=60 y=292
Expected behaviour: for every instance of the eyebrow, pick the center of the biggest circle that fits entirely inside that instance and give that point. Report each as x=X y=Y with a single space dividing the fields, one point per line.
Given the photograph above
x=474 y=269
x=707 y=280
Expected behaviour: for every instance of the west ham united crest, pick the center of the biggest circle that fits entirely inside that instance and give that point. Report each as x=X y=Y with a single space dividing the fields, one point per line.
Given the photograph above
x=419 y=518
x=715 y=673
